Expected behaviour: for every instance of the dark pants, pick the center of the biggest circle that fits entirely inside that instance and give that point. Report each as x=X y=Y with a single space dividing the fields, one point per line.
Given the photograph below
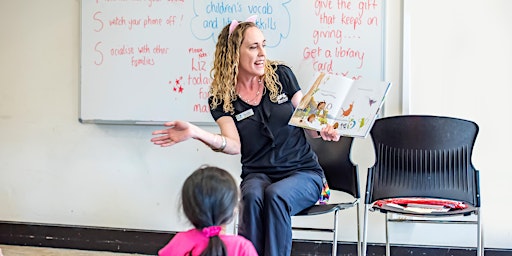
x=267 y=207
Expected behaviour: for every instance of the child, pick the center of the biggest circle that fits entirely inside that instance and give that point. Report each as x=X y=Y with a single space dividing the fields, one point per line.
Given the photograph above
x=209 y=197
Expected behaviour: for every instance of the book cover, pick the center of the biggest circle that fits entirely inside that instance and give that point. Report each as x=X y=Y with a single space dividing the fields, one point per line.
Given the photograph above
x=350 y=106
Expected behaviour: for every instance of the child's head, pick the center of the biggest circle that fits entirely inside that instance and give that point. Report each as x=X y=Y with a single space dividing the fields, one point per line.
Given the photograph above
x=209 y=197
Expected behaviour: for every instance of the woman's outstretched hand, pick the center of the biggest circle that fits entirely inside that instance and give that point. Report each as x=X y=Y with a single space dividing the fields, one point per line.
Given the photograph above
x=176 y=132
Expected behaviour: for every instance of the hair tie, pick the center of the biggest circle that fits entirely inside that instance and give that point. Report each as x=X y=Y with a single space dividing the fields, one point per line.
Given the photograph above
x=235 y=23
x=212 y=231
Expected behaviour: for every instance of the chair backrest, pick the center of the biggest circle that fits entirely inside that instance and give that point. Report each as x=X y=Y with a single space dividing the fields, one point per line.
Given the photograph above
x=423 y=156
x=334 y=157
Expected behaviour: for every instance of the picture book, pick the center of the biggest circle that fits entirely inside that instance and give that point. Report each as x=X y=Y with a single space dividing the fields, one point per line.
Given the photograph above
x=350 y=106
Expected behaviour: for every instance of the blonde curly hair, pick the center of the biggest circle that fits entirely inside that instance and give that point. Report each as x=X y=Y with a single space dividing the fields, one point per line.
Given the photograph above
x=224 y=72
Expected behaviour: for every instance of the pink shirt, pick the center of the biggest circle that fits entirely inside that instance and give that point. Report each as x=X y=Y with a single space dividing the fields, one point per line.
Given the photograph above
x=183 y=242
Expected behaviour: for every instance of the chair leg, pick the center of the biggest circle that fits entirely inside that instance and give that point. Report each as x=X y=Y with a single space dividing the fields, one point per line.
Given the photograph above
x=235 y=223
x=388 y=247
x=335 y=236
x=365 y=229
x=358 y=230
x=479 y=238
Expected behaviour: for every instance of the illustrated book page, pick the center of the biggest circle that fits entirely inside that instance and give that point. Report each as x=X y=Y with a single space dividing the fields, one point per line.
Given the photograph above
x=350 y=106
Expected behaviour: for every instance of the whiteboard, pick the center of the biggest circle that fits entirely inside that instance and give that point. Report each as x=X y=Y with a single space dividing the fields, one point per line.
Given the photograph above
x=149 y=61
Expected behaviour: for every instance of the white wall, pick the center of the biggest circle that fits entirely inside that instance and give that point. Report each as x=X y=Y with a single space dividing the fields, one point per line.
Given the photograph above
x=55 y=170
x=461 y=62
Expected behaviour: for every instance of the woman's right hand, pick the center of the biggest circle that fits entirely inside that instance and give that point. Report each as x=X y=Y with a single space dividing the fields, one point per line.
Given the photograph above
x=178 y=131
x=328 y=133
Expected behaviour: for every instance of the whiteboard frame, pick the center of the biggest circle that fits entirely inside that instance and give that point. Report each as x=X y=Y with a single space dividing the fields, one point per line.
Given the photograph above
x=212 y=123
x=109 y=121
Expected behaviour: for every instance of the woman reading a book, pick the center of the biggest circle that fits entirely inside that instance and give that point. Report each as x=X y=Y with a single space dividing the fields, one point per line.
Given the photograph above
x=252 y=100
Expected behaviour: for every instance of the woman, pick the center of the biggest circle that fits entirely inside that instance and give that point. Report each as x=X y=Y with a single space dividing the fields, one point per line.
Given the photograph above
x=252 y=99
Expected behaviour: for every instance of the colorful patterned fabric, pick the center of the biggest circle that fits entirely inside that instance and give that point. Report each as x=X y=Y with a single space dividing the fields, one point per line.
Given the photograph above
x=326 y=194
x=425 y=201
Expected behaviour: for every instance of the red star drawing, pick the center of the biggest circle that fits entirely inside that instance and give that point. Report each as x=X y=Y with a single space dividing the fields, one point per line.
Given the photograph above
x=177 y=85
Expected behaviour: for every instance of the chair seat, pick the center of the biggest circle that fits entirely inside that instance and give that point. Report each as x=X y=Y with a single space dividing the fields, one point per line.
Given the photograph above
x=325 y=208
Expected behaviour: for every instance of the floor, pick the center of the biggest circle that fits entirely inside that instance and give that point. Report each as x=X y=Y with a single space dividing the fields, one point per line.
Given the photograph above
x=9 y=250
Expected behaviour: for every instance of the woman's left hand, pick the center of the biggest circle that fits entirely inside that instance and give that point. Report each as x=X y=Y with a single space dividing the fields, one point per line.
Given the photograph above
x=328 y=133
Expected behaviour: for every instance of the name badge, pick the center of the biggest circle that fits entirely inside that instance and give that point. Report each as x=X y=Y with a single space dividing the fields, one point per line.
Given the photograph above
x=282 y=98
x=244 y=115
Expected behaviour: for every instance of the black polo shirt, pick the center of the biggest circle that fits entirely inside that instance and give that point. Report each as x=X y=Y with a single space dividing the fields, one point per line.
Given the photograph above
x=269 y=144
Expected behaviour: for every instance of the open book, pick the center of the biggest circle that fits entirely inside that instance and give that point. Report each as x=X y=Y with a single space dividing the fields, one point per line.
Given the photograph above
x=350 y=106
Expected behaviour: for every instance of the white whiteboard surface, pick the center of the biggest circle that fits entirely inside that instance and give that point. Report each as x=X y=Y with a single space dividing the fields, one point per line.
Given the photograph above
x=149 y=61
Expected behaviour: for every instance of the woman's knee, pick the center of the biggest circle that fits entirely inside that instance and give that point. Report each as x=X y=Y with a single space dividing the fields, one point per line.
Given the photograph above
x=273 y=195
x=253 y=187
x=252 y=198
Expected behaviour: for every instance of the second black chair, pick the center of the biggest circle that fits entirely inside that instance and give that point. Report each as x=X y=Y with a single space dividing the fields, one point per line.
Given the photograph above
x=342 y=175
x=423 y=168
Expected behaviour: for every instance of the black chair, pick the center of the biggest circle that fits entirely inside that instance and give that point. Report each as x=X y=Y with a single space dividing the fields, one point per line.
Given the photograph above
x=427 y=158
x=342 y=175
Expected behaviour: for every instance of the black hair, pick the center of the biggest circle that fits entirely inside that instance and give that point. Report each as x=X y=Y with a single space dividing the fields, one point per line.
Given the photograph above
x=209 y=197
